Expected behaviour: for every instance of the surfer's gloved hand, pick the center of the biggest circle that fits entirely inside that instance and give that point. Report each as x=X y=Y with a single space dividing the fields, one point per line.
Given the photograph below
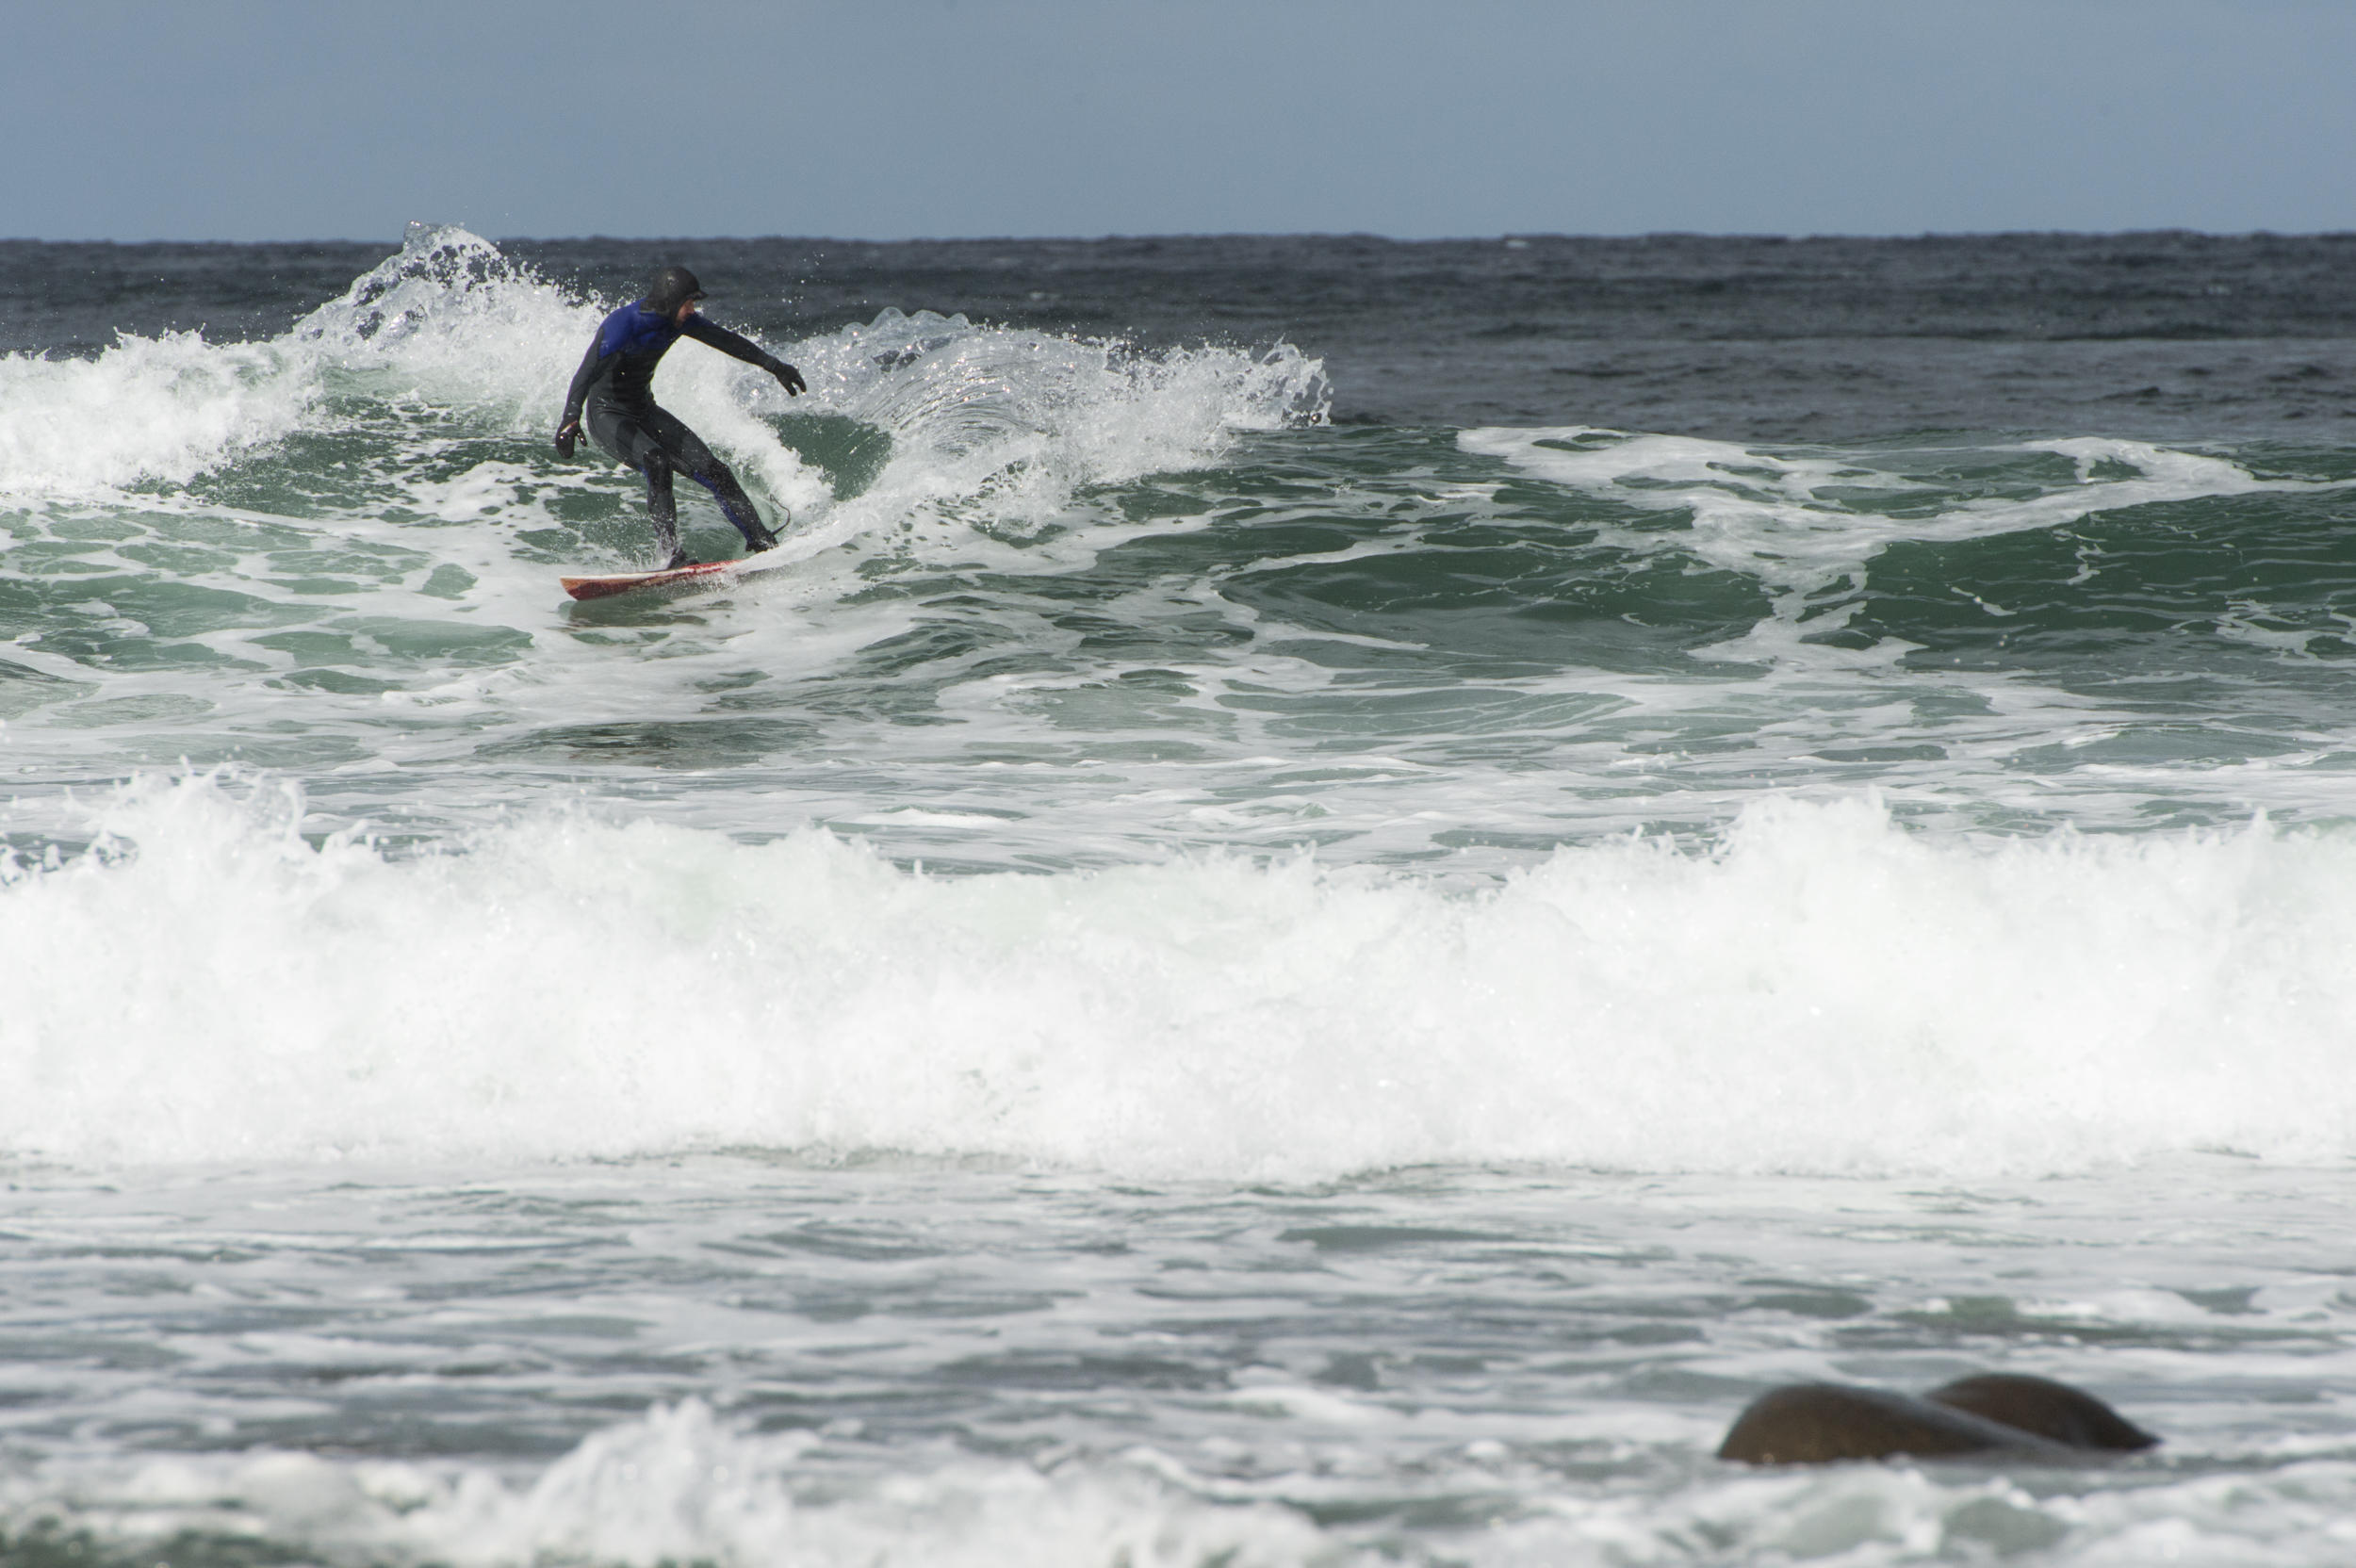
x=566 y=434
x=788 y=377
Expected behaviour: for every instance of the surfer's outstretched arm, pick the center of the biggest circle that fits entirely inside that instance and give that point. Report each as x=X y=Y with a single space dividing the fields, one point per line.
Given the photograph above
x=747 y=350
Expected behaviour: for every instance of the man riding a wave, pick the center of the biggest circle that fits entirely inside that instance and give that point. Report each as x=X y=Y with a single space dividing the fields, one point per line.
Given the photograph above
x=614 y=388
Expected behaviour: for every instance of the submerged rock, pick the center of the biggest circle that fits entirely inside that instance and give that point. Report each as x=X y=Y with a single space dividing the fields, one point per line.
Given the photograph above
x=2066 y=1415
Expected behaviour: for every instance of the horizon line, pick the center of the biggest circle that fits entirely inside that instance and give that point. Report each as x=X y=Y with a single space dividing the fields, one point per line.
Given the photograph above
x=1356 y=236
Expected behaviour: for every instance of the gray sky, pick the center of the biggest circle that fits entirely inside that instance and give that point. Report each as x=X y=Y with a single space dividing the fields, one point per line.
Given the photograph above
x=890 y=119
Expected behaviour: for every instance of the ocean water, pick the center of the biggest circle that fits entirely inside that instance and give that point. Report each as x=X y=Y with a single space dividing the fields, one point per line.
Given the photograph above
x=1335 y=894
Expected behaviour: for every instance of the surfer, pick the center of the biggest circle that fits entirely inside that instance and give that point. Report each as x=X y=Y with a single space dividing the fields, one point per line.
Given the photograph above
x=614 y=387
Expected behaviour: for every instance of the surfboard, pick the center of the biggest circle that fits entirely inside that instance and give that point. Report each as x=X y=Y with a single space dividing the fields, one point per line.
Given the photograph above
x=703 y=574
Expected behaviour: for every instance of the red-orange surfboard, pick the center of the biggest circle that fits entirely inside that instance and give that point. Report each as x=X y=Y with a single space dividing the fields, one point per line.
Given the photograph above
x=622 y=582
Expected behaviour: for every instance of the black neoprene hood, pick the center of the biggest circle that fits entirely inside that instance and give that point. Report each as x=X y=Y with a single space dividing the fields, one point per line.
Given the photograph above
x=673 y=288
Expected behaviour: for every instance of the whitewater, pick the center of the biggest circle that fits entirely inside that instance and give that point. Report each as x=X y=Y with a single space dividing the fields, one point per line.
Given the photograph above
x=1200 y=968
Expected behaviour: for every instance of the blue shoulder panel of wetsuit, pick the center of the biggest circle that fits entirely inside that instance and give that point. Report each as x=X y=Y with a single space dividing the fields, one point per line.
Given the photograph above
x=634 y=327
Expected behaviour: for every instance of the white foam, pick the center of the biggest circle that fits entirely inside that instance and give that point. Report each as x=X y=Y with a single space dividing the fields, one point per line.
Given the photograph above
x=989 y=427
x=161 y=408
x=683 y=1485
x=1824 y=993
x=1798 y=522
x=677 y=1486
x=996 y=427
x=445 y=318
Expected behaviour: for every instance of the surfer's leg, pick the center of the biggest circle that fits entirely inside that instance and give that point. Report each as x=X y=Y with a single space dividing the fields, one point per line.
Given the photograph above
x=662 y=509
x=630 y=440
x=688 y=453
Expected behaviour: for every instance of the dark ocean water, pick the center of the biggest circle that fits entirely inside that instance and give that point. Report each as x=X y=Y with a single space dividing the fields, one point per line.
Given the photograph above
x=1334 y=895
x=2163 y=335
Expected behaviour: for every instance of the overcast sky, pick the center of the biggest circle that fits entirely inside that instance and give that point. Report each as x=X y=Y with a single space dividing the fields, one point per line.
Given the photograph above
x=891 y=119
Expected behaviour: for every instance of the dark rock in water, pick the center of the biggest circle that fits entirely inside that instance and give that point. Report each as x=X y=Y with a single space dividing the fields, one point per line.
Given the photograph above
x=2066 y=1415
x=1819 y=1423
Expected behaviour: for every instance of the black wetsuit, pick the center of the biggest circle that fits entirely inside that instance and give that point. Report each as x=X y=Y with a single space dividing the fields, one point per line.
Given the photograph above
x=614 y=387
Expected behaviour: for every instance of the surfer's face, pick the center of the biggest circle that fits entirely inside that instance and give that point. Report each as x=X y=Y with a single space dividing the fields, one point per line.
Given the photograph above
x=686 y=308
